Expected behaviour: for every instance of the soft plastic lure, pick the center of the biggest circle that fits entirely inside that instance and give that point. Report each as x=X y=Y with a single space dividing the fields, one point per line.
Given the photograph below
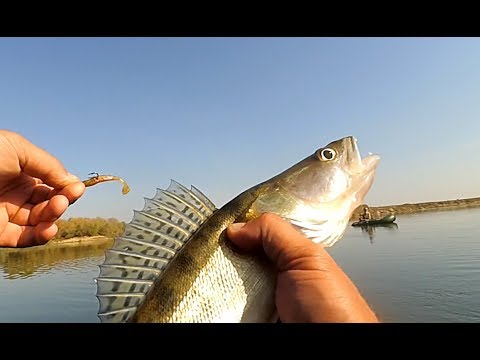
x=97 y=179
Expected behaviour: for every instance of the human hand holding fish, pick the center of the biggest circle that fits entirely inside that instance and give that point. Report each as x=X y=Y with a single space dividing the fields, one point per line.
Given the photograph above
x=311 y=287
x=174 y=263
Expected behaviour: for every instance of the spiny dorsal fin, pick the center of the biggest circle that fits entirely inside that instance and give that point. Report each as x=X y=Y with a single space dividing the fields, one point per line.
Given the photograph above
x=148 y=244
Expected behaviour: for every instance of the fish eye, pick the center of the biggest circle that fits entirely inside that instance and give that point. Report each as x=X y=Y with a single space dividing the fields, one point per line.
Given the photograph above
x=327 y=154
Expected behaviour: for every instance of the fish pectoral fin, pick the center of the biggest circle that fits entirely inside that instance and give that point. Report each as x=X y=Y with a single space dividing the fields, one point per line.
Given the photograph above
x=326 y=233
x=149 y=242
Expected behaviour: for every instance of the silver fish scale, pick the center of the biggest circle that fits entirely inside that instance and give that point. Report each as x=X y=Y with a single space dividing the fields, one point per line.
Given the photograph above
x=224 y=291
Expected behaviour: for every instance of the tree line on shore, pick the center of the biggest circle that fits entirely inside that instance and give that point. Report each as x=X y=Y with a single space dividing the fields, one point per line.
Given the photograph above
x=76 y=227
x=111 y=227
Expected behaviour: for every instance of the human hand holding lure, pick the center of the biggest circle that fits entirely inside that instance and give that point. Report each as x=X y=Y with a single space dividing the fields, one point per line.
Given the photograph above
x=35 y=191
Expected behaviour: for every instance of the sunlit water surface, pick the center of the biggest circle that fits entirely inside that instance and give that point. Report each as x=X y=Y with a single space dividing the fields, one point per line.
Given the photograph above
x=425 y=270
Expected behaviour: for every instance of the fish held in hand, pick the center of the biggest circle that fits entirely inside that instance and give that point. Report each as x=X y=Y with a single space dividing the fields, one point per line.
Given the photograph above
x=173 y=262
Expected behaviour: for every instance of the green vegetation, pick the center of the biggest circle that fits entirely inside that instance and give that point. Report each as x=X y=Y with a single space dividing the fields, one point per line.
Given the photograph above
x=77 y=227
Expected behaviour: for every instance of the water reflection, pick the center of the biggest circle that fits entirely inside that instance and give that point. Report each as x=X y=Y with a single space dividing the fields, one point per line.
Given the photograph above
x=29 y=262
x=370 y=230
x=426 y=269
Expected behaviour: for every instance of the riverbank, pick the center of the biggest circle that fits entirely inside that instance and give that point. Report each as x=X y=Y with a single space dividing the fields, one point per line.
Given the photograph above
x=376 y=212
x=29 y=261
x=407 y=208
x=80 y=240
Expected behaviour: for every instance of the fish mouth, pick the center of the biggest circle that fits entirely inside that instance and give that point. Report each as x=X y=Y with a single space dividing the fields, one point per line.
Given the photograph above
x=365 y=165
x=370 y=162
x=362 y=170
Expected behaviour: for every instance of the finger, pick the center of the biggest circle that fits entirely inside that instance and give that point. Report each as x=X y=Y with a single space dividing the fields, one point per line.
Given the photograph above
x=15 y=235
x=44 y=232
x=41 y=192
x=10 y=235
x=245 y=238
x=22 y=216
x=3 y=220
x=72 y=192
x=286 y=247
x=38 y=163
x=48 y=211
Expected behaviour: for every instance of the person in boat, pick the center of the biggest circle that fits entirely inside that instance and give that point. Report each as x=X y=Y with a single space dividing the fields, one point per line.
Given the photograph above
x=36 y=190
x=365 y=215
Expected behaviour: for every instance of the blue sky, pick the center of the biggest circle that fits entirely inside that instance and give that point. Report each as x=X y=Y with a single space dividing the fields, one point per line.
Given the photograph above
x=226 y=113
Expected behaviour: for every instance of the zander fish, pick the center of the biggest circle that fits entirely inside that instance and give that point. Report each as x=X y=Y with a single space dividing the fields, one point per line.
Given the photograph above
x=173 y=262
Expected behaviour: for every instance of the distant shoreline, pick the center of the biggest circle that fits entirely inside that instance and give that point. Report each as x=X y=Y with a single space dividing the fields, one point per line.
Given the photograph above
x=376 y=211
x=59 y=244
x=407 y=208
x=80 y=239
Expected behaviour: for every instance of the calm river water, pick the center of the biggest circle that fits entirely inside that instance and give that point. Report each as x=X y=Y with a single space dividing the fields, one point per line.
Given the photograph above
x=425 y=270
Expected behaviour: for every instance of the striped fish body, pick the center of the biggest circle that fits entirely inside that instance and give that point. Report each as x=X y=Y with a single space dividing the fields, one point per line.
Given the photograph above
x=210 y=280
x=207 y=279
x=173 y=262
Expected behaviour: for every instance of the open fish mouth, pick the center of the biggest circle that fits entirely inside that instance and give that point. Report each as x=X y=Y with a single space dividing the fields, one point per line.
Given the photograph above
x=361 y=170
x=370 y=163
x=366 y=176
x=365 y=165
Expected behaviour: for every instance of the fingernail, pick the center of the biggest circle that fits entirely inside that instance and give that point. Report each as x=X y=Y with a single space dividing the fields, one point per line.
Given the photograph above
x=236 y=226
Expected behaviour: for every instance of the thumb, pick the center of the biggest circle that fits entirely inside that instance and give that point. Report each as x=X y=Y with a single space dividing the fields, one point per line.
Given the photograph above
x=284 y=245
x=38 y=163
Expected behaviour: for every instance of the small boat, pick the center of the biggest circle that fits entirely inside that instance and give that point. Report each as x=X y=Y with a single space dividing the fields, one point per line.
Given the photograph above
x=389 y=219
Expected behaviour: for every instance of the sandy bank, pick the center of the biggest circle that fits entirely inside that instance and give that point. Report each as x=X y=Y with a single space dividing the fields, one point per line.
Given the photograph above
x=380 y=211
x=79 y=239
